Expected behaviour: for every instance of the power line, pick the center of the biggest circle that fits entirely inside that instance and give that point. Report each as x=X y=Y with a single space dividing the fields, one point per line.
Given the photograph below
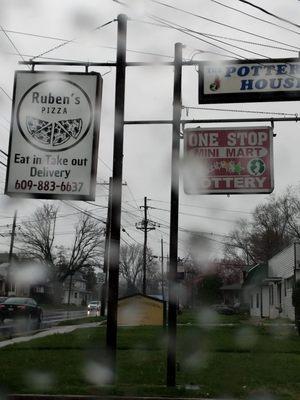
x=217 y=22
x=70 y=41
x=83 y=211
x=254 y=17
x=251 y=43
x=269 y=13
x=206 y=208
x=161 y=25
x=12 y=43
x=186 y=31
x=31 y=56
x=6 y=94
x=196 y=215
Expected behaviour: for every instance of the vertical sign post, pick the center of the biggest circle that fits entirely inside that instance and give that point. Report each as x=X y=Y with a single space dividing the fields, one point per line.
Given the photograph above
x=172 y=310
x=107 y=244
x=114 y=249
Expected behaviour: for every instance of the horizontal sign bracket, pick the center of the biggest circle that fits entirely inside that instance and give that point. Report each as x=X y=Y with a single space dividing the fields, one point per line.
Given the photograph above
x=211 y=121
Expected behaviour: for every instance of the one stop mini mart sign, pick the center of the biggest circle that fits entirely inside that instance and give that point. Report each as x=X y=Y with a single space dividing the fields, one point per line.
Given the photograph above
x=228 y=160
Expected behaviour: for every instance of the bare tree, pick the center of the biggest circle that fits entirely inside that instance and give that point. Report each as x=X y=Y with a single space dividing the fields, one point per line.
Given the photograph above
x=273 y=226
x=86 y=250
x=131 y=267
x=38 y=236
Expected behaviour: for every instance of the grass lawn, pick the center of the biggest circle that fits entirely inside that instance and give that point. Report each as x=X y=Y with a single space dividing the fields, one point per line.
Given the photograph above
x=224 y=361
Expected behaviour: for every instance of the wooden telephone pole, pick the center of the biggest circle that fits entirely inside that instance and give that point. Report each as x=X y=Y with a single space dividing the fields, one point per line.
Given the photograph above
x=145 y=225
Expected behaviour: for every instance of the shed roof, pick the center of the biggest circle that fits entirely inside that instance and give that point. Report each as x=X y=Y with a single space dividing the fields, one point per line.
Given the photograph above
x=256 y=275
x=141 y=295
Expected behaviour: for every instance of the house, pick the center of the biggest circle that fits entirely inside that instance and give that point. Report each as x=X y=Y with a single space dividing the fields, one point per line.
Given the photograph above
x=232 y=294
x=252 y=288
x=269 y=287
x=75 y=290
x=9 y=285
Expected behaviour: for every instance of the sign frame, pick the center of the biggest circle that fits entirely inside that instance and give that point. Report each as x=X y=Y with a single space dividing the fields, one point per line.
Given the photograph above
x=232 y=191
x=95 y=131
x=245 y=97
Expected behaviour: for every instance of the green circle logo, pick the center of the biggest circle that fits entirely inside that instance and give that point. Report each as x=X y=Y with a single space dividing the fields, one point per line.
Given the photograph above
x=256 y=167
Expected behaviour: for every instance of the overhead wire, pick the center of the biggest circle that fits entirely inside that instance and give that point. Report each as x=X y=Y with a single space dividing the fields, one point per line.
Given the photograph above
x=217 y=22
x=296 y=50
x=71 y=40
x=206 y=208
x=12 y=43
x=186 y=30
x=5 y=92
x=170 y=24
x=254 y=17
x=269 y=13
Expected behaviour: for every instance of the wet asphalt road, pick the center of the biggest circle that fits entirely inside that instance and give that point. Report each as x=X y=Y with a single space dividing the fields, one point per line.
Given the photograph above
x=50 y=318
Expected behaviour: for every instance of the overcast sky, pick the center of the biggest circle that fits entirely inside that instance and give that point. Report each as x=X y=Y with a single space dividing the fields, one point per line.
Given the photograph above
x=33 y=27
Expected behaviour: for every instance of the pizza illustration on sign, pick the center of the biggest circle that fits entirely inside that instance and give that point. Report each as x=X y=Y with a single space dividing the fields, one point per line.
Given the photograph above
x=54 y=133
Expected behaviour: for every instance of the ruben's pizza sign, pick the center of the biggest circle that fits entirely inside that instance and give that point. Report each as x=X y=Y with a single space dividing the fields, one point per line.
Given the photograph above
x=54 y=135
x=228 y=160
x=249 y=81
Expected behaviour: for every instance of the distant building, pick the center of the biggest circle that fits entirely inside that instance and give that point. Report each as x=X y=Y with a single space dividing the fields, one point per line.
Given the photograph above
x=232 y=294
x=75 y=290
x=269 y=287
x=15 y=283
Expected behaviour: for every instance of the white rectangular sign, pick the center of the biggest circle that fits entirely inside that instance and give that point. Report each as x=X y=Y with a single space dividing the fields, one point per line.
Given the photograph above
x=245 y=81
x=54 y=135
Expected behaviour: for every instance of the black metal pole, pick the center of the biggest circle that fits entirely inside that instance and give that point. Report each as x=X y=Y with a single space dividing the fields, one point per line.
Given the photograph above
x=114 y=249
x=172 y=310
x=106 y=261
x=10 y=255
x=145 y=247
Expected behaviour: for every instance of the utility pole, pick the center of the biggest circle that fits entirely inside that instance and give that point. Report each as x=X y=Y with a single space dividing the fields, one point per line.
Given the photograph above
x=107 y=244
x=10 y=254
x=145 y=225
x=106 y=252
x=114 y=249
x=172 y=310
x=162 y=269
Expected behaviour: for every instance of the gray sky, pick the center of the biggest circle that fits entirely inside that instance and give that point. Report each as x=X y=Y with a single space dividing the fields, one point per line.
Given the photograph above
x=147 y=149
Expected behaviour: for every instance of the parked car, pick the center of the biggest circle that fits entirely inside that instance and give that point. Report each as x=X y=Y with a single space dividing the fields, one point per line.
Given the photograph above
x=93 y=306
x=2 y=299
x=242 y=308
x=21 y=307
x=223 y=309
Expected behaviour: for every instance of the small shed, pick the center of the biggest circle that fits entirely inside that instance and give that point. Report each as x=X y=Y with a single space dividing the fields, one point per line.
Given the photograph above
x=139 y=309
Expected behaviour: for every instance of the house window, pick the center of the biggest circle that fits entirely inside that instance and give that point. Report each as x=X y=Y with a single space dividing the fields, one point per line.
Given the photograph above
x=75 y=295
x=271 y=291
x=290 y=283
x=285 y=286
x=279 y=299
x=257 y=300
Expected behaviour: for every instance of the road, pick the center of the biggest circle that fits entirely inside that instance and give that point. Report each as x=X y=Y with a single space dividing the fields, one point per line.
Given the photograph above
x=50 y=318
